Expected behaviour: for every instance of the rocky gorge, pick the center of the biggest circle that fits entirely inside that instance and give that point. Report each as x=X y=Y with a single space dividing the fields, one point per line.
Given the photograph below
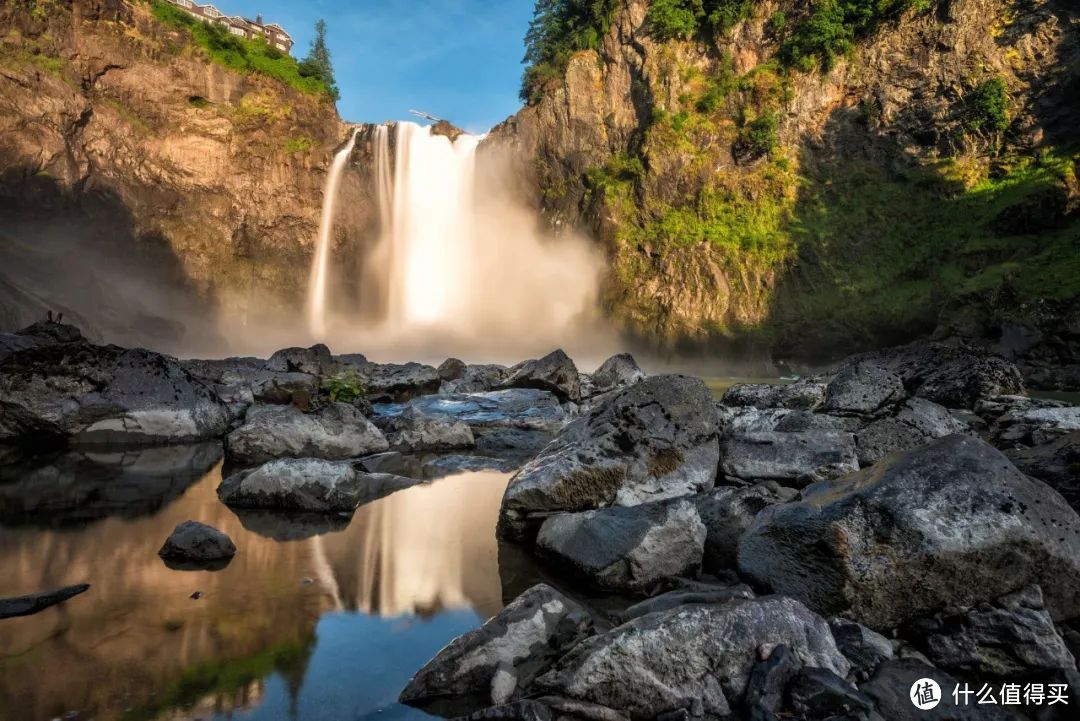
x=805 y=550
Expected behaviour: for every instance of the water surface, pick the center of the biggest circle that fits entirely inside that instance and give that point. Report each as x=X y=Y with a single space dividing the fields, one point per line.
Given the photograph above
x=328 y=626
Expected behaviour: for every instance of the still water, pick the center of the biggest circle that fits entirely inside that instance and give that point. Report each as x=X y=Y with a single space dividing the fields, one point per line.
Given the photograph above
x=329 y=624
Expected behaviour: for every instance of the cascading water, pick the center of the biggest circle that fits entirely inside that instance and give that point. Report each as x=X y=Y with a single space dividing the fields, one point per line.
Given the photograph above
x=455 y=270
x=319 y=266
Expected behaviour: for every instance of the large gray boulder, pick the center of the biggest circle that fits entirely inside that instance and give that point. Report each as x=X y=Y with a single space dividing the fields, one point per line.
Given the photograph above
x=626 y=548
x=728 y=512
x=1035 y=426
x=864 y=388
x=308 y=484
x=46 y=332
x=655 y=440
x=554 y=372
x=478 y=378
x=335 y=432
x=804 y=394
x=196 y=542
x=891 y=688
x=298 y=389
x=415 y=432
x=1057 y=463
x=865 y=648
x=700 y=655
x=618 y=371
x=498 y=661
x=315 y=361
x=81 y=393
x=916 y=423
x=792 y=459
x=393 y=382
x=953 y=523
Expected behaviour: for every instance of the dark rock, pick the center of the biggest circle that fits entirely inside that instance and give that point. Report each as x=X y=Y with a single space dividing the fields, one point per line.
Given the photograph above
x=953 y=523
x=804 y=394
x=917 y=422
x=866 y=649
x=308 y=484
x=391 y=382
x=315 y=361
x=727 y=512
x=792 y=459
x=46 y=332
x=452 y=369
x=617 y=372
x=570 y=709
x=413 y=431
x=497 y=662
x=87 y=394
x=863 y=388
x=554 y=372
x=287 y=525
x=697 y=594
x=1013 y=637
x=524 y=710
x=818 y=693
x=38 y=602
x=764 y=698
x=1056 y=463
x=651 y=441
x=196 y=542
x=477 y=379
x=892 y=685
x=1035 y=426
x=690 y=654
x=335 y=432
x=298 y=389
x=797 y=421
x=441 y=466
x=628 y=548
x=740 y=420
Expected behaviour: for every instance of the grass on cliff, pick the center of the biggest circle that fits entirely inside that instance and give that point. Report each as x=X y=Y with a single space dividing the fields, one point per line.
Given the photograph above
x=241 y=54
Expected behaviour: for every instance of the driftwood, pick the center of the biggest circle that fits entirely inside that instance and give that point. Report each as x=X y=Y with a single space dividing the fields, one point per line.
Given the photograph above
x=37 y=602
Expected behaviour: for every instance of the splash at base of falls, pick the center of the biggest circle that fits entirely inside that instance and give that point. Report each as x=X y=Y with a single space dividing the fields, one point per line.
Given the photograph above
x=458 y=272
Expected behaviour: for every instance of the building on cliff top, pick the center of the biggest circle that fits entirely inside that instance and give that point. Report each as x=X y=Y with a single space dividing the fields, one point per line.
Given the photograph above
x=242 y=27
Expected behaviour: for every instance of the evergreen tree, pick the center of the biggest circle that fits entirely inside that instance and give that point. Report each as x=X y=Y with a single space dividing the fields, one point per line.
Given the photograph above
x=317 y=63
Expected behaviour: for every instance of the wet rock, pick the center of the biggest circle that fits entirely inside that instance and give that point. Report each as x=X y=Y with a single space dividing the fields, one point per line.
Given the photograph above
x=81 y=393
x=308 y=484
x=1056 y=463
x=863 y=388
x=805 y=394
x=196 y=542
x=501 y=657
x=651 y=441
x=696 y=593
x=917 y=422
x=865 y=648
x=477 y=379
x=388 y=462
x=288 y=525
x=617 y=372
x=627 y=548
x=891 y=689
x=1035 y=426
x=413 y=431
x=764 y=698
x=298 y=389
x=441 y=466
x=792 y=459
x=953 y=523
x=571 y=709
x=315 y=361
x=818 y=693
x=524 y=710
x=392 y=382
x=554 y=372
x=727 y=512
x=452 y=369
x=335 y=432
x=38 y=602
x=1010 y=638
x=691 y=654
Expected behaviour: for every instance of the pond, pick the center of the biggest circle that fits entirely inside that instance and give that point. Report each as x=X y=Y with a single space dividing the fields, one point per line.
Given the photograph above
x=310 y=620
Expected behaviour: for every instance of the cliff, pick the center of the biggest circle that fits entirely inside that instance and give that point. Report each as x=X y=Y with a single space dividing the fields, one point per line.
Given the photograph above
x=147 y=189
x=757 y=193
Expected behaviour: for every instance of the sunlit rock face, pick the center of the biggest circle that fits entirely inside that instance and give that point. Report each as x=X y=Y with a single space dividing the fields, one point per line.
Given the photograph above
x=138 y=640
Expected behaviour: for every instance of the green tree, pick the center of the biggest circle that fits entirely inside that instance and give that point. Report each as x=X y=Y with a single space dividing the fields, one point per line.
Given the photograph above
x=560 y=28
x=317 y=63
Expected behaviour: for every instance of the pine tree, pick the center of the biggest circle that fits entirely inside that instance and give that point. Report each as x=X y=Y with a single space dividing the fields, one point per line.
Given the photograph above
x=317 y=63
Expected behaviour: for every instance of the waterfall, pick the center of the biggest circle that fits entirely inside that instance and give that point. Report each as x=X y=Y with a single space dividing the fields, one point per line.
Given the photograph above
x=319 y=266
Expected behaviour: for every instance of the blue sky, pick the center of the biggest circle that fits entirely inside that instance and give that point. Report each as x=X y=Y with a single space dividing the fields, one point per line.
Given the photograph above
x=457 y=59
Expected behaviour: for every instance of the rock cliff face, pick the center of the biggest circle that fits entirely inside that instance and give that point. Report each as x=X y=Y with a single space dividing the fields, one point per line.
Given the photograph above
x=145 y=189
x=806 y=212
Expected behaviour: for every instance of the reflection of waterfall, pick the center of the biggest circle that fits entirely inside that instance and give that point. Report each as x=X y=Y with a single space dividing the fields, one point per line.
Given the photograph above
x=319 y=266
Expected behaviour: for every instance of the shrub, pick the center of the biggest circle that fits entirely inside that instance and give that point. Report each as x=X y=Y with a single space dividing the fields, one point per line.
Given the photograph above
x=670 y=19
x=560 y=28
x=300 y=144
x=344 y=387
x=759 y=137
x=988 y=107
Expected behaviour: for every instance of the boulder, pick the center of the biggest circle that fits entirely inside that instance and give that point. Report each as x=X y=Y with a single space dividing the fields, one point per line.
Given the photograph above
x=916 y=423
x=315 y=361
x=655 y=440
x=797 y=421
x=196 y=542
x=308 y=484
x=892 y=685
x=865 y=648
x=335 y=432
x=413 y=432
x=727 y=512
x=38 y=602
x=863 y=388
x=817 y=693
x=792 y=459
x=804 y=394
x=691 y=594
x=1035 y=426
x=626 y=548
x=617 y=372
x=497 y=662
x=392 y=382
x=700 y=654
x=1010 y=638
x=952 y=523
x=298 y=389
x=452 y=369
x=524 y=710
x=477 y=379
x=764 y=699
x=46 y=332
x=737 y=420
x=81 y=393
x=554 y=372
x=1056 y=463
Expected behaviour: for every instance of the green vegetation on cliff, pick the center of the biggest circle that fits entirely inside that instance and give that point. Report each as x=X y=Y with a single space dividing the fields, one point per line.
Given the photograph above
x=560 y=28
